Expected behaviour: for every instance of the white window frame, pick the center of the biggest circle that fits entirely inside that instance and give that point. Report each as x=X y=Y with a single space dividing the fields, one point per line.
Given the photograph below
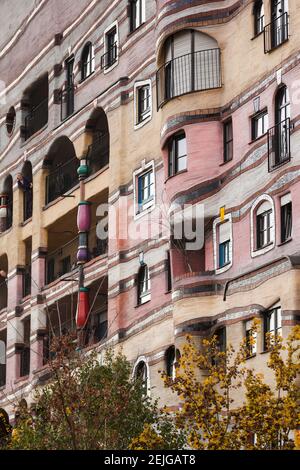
x=143 y=14
x=107 y=30
x=216 y=224
x=145 y=360
x=145 y=296
x=138 y=124
x=254 y=251
x=150 y=205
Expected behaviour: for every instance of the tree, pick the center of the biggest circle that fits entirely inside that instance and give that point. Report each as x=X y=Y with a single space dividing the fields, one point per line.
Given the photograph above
x=86 y=405
x=207 y=383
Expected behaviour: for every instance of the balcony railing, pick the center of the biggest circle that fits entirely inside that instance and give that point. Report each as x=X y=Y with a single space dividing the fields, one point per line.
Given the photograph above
x=98 y=152
x=101 y=248
x=110 y=57
x=61 y=179
x=27 y=282
x=62 y=260
x=36 y=119
x=67 y=102
x=279 y=150
x=276 y=32
x=191 y=72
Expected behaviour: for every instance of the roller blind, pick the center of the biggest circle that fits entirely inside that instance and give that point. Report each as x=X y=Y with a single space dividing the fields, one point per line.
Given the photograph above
x=285 y=199
x=224 y=232
x=265 y=206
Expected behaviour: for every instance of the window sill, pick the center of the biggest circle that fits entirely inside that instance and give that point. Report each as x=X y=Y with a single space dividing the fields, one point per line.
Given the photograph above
x=176 y=174
x=86 y=78
x=26 y=222
x=258 y=138
x=250 y=357
x=288 y=240
x=225 y=163
x=131 y=33
x=261 y=248
x=22 y=379
x=257 y=35
x=141 y=304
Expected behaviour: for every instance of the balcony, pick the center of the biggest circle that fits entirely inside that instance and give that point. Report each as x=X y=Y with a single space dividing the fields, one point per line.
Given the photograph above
x=98 y=152
x=276 y=32
x=197 y=71
x=110 y=57
x=62 y=260
x=36 y=118
x=61 y=179
x=279 y=151
x=67 y=102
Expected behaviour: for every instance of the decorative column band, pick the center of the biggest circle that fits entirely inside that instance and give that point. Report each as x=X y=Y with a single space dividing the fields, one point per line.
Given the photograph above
x=83 y=307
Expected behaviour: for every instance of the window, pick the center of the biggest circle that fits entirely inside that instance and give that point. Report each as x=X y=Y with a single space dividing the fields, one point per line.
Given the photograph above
x=67 y=94
x=222 y=238
x=110 y=56
x=259 y=19
x=251 y=338
x=25 y=353
x=286 y=217
x=172 y=358
x=144 y=294
x=272 y=325
x=263 y=229
x=221 y=339
x=279 y=135
x=65 y=265
x=143 y=103
x=34 y=107
x=262 y=225
x=10 y=121
x=228 y=140
x=141 y=374
x=169 y=272
x=145 y=189
x=87 y=61
x=259 y=124
x=177 y=154
x=137 y=13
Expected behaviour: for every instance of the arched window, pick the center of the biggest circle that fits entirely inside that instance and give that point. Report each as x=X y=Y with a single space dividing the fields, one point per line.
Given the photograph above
x=172 y=358
x=98 y=151
x=279 y=22
x=141 y=373
x=34 y=106
x=191 y=63
x=281 y=134
x=262 y=225
x=143 y=281
x=6 y=205
x=87 y=61
x=259 y=18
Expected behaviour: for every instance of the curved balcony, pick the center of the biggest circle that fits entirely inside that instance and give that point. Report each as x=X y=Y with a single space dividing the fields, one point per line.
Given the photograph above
x=197 y=71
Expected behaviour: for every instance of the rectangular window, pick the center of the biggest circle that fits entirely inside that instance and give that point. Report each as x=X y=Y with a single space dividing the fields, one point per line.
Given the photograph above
x=221 y=339
x=259 y=124
x=169 y=272
x=111 y=49
x=25 y=353
x=224 y=257
x=50 y=270
x=145 y=189
x=259 y=19
x=286 y=217
x=177 y=154
x=272 y=325
x=263 y=229
x=143 y=103
x=137 y=14
x=228 y=140
x=251 y=339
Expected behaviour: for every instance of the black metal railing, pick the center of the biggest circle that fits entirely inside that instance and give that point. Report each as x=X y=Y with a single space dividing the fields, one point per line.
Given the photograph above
x=98 y=152
x=67 y=102
x=27 y=204
x=36 y=118
x=61 y=179
x=279 y=146
x=27 y=282
x=276 y=32
x=191 y=72
x=25 y=362
x=61 y=261
x=110 y=57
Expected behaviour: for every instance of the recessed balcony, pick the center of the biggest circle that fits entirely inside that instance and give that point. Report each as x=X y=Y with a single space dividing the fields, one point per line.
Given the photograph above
x=197 y=71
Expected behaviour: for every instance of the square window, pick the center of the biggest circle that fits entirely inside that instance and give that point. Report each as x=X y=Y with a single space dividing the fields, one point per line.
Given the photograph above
x=259 y=125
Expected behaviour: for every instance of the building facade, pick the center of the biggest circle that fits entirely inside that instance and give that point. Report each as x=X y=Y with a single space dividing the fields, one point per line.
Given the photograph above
x=137 y=106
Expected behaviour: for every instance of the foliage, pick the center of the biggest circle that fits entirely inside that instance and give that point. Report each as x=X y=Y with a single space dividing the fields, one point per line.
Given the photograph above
x=86 y=405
